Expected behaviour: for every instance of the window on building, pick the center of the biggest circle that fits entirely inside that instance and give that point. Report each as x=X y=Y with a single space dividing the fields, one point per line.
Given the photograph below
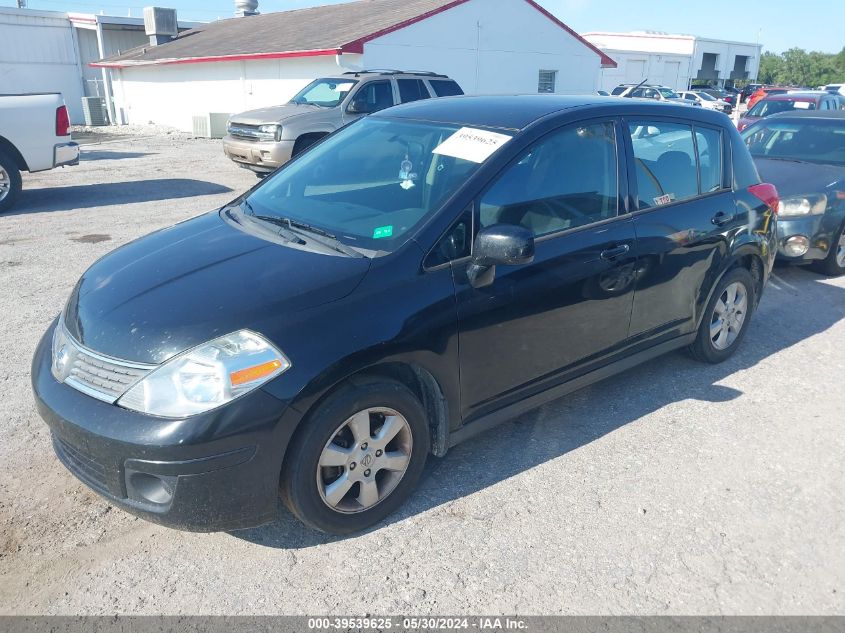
x=412 y=90
x=547 y=81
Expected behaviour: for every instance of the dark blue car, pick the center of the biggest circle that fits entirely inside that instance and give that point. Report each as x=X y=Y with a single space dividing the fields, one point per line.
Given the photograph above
x=412 y=280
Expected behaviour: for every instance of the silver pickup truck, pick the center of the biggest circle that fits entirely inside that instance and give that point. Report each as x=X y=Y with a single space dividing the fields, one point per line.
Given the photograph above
x=34 y=136
x=263 y=140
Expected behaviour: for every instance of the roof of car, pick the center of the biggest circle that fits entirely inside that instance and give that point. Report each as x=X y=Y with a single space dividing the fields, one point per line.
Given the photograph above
x=516 y=112
x=794 y=95
x=810 y=114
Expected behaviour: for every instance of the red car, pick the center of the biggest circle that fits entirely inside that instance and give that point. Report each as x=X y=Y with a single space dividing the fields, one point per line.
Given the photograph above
x=766 y=91
x=815 y=100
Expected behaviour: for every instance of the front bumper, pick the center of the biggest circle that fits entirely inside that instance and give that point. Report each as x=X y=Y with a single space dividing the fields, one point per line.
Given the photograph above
x=210 y=472
x=818 y=229
x=65 y=154
x=259 y=156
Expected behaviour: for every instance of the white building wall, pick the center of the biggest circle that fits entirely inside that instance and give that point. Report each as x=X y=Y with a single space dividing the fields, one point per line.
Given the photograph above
x=38 y=54
x=635 y=66
x=655 y=56
x=172 y=94
x=490 y=47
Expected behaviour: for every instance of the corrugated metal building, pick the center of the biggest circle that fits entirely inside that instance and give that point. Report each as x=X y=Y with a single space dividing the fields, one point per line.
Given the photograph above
x=488 y=46
x=676 y=61
x=50 y=51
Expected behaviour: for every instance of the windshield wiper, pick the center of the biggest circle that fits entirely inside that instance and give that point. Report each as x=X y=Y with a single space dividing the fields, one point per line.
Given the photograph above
x=292 y=229
x=284 y=230
x=331 y=241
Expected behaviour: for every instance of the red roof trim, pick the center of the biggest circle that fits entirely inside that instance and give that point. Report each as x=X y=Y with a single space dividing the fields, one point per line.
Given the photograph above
x=357 y=46
x=606 y=62
x=218 y=58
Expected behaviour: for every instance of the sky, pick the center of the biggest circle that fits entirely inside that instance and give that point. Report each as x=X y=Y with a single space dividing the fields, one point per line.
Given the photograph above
x=777 y=24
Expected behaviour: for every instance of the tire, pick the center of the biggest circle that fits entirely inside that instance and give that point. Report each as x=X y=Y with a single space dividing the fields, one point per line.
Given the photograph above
x=834 y=264
x=10 y=182
x=303 y=143
x=329 y=497
x=719 y=344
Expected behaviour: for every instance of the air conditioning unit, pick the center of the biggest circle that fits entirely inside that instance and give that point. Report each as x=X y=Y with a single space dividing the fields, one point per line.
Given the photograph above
x=211 y=125
x=94 y=111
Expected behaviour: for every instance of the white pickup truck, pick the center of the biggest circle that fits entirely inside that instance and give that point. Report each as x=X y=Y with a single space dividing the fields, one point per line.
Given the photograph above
x=34 y=136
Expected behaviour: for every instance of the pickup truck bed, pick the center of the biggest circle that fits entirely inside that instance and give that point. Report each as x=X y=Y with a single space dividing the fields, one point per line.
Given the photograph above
x=34 y=136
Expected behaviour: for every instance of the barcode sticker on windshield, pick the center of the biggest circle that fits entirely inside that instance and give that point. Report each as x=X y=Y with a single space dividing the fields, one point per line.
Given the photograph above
x=471 y=144
x=801 y=105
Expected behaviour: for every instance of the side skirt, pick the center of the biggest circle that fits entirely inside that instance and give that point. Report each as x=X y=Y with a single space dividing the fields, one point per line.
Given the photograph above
x=532 y=402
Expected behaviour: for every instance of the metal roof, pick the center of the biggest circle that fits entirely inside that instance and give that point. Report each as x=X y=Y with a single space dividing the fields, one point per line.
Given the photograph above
x=323 y=30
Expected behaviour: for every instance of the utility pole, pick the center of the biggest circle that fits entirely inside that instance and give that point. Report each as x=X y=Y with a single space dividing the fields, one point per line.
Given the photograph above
x=21 y=4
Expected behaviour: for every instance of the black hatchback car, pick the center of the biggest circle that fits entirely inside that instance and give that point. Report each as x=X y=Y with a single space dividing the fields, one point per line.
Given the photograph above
x=410 y=281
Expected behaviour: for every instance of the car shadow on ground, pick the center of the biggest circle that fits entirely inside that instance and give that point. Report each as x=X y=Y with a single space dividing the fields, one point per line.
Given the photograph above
x=569 y=423
x=109 y=193
x=92 y=155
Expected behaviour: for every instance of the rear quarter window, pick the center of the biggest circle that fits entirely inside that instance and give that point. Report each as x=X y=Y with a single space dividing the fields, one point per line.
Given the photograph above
x=745 y=171
x=445 y=88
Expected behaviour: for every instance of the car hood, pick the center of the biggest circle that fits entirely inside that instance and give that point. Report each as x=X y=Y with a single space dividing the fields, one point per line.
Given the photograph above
x=274 y=114
x=203 y=278
x=794 y=178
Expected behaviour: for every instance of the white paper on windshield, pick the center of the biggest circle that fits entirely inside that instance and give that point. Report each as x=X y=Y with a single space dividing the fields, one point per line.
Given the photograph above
x=471 y=144
x=801 y=105
x=343 y=87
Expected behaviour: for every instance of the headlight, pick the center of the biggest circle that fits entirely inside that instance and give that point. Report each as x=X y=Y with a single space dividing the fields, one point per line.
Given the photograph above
x=271 y=131
x=802 y=205
x=207 y=376
x=61 y=353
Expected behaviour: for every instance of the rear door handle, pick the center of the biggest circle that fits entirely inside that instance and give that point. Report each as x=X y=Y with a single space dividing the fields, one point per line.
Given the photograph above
x=613 y=253
x=722 y=218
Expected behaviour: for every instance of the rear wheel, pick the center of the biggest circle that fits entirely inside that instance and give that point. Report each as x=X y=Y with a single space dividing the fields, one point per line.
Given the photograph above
x=358 y=458
x=834 y=264
x=10 y=182
x=726 y=318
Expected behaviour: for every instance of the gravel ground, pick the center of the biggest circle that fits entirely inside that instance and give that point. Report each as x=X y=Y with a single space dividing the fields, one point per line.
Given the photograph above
x=676 y=488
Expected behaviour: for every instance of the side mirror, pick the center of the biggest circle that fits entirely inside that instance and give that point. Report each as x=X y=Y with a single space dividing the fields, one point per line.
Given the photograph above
x=359 y=106
x=500 y=244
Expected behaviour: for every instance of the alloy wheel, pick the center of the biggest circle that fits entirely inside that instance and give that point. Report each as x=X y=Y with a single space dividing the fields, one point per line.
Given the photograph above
x=729 y=316
x=364 y=460
x=5 y=183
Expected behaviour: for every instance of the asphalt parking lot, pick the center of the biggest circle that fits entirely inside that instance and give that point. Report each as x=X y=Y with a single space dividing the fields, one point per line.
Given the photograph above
x=676 y=488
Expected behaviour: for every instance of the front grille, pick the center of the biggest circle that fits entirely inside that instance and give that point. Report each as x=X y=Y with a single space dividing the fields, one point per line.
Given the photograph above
x=101 y=375
x=81 y=464
x=246 y=132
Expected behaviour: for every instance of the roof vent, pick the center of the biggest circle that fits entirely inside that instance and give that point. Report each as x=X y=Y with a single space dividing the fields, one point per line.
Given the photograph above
x=160 y=24
x=244 y=8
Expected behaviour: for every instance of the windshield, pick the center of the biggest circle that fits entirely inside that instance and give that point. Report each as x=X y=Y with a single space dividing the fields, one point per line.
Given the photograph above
x=326 y=93
x=706 y=96
x=374 y=182
x=811 y=141
x=766 y=108
x=668 y=93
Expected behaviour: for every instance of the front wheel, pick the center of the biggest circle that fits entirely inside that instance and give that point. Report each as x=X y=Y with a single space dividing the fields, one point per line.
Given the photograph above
x=834 y=264
x=10 y=182
x=726 y=318
x=359 y=456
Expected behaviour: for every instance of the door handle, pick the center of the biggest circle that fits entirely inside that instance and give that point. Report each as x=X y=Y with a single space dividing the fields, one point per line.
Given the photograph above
x=722 y=218
x=613 y=253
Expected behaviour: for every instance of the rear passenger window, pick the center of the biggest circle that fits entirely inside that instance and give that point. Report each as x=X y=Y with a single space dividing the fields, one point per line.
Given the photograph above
x=412 y=90
x=709 y=143
x=664 y=156
x=566 y=180
x=445 y=88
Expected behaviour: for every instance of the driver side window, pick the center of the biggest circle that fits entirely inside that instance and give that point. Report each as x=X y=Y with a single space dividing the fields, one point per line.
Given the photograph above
x=566 y=180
